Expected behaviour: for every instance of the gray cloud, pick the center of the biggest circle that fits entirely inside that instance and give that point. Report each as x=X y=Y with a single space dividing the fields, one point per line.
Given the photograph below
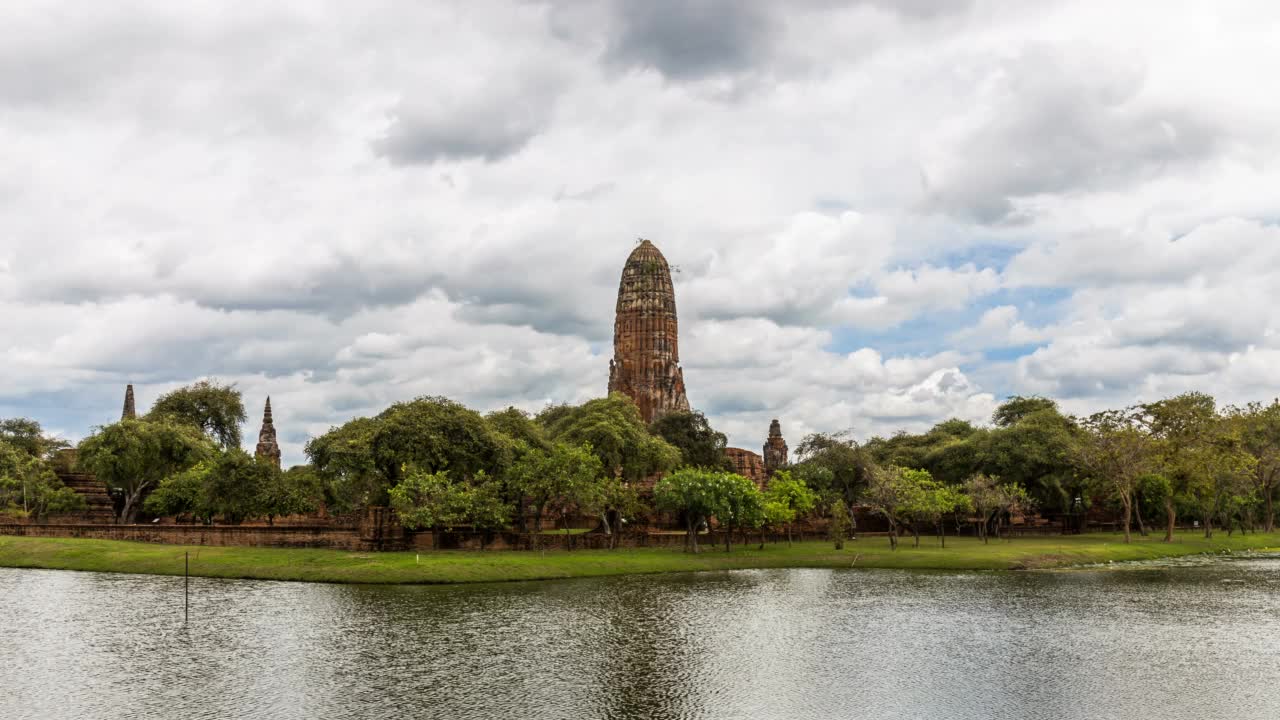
x=691 y=40
x=486 y=131
x=1054 y=121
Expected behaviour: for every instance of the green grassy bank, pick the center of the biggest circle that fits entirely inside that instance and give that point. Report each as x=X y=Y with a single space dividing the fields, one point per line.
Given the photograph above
x=492 y=566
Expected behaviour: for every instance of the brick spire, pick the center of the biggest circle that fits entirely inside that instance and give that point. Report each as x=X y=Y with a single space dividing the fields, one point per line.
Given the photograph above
x=130 y=412
x=775 y=449
x=268 y=448
x=646 y=352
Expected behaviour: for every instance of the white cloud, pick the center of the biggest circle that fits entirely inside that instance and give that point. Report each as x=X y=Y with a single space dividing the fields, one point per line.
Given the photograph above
x=316 y=203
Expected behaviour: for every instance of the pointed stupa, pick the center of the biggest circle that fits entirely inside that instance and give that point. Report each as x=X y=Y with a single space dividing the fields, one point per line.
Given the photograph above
x=646 y=352
x=775 y=449
x=130 y=411
x=267 y=445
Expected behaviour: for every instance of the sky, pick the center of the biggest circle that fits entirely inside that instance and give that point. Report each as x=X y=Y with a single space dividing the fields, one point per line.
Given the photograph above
x=881 y=214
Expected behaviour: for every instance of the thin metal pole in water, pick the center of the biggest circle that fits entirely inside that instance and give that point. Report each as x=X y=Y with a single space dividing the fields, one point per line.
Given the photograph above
x=186 y=587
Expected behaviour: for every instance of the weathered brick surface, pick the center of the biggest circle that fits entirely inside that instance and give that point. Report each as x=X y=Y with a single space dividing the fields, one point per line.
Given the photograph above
x=646 y=353
x=748 y=465
x=268 y=448
x=129 y=412
x=775 y=449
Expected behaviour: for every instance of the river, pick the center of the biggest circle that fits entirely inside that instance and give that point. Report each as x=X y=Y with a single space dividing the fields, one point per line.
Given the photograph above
x=1179 y=639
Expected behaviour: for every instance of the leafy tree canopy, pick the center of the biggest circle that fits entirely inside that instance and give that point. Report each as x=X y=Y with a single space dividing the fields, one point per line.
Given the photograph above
x=217 y=409
x=133 y=456
x=616 y=434
x=700 y=445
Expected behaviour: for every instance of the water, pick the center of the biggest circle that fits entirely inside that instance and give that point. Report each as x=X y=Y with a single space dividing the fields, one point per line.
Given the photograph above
x=1175 y=640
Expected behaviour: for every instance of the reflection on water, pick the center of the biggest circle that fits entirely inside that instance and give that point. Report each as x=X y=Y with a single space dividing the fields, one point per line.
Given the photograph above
x=1192 y=641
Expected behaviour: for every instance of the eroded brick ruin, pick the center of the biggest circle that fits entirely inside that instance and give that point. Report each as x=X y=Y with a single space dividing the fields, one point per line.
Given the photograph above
x=775 y=449
x=130 y=412
x=747 y=464
x=268 y=448
x=646 y=353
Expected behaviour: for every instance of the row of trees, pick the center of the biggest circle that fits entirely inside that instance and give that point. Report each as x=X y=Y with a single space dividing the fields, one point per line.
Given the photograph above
x=1177 y=458
x=442 y=465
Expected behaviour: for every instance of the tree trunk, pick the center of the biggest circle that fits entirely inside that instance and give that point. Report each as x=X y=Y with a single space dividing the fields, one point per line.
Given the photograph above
x=1128 y=513
x=1270 y=519
x=942 y=533
x=915 y=535
x=693 y=533
x=1137 y=513
x=129 y=513
x=893 y=535
x=1171 y=517
x=1208 y=526
x=728 y=539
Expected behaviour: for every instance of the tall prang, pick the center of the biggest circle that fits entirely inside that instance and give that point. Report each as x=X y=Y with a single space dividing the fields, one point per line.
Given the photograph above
x=130 y=412
x=646 y=353
x=268 y=448
x=775 y=449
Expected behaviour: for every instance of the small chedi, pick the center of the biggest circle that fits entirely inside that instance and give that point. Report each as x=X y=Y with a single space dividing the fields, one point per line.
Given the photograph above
x=130 y=411
x=268 y=449
x=775 y=449
x=646 y=351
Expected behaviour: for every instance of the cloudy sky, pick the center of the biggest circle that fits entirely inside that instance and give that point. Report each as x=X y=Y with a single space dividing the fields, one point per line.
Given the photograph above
x=883 y=214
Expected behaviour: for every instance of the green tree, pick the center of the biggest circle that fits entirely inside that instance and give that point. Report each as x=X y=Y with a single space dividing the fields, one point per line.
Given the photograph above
x=27 y=436
x=1116 y=452
x=841 y=523
x=1181 y=427
x=892 y=492
x=1258 y=427
x=133 y=456
x=790 y=497
x=28 y=485
x=436 y=501
x=1220 y=478
x=1034 y=447
x=699 y=444
x=364 y=458
x=692 y=493
x=343 y=459
x=738 y=502
x=519 y=426
x=834 y=465
x=617 y=435
x=990 y=500
x=218 y=410
x=296 y=491
x=1018 y=408
x=182 y=493
x=560 y=480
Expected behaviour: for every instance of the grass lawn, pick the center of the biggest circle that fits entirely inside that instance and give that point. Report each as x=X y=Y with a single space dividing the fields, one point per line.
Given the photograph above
x=456 y=566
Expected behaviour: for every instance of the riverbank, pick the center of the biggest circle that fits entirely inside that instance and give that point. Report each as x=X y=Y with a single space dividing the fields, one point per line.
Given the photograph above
x=494 y=566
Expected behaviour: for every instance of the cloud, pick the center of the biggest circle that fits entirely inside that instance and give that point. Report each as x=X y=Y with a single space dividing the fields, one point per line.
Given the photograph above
x=998 y=327
x=1052 y=119
x=688 y=41
x=904 y=211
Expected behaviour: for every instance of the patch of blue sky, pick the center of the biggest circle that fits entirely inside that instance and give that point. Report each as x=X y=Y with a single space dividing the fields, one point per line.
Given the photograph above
x=930 y=332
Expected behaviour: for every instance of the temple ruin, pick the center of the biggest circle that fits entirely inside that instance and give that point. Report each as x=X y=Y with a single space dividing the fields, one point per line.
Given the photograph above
x=268 y=448
x=130 y=412
x=775 y=449
x=646 y=356
x=646 y=353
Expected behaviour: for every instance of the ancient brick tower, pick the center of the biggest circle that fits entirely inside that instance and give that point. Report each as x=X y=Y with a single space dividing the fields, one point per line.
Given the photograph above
x=775 y=449
x=130 y=412
x=268 y=448
x=646 y=355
